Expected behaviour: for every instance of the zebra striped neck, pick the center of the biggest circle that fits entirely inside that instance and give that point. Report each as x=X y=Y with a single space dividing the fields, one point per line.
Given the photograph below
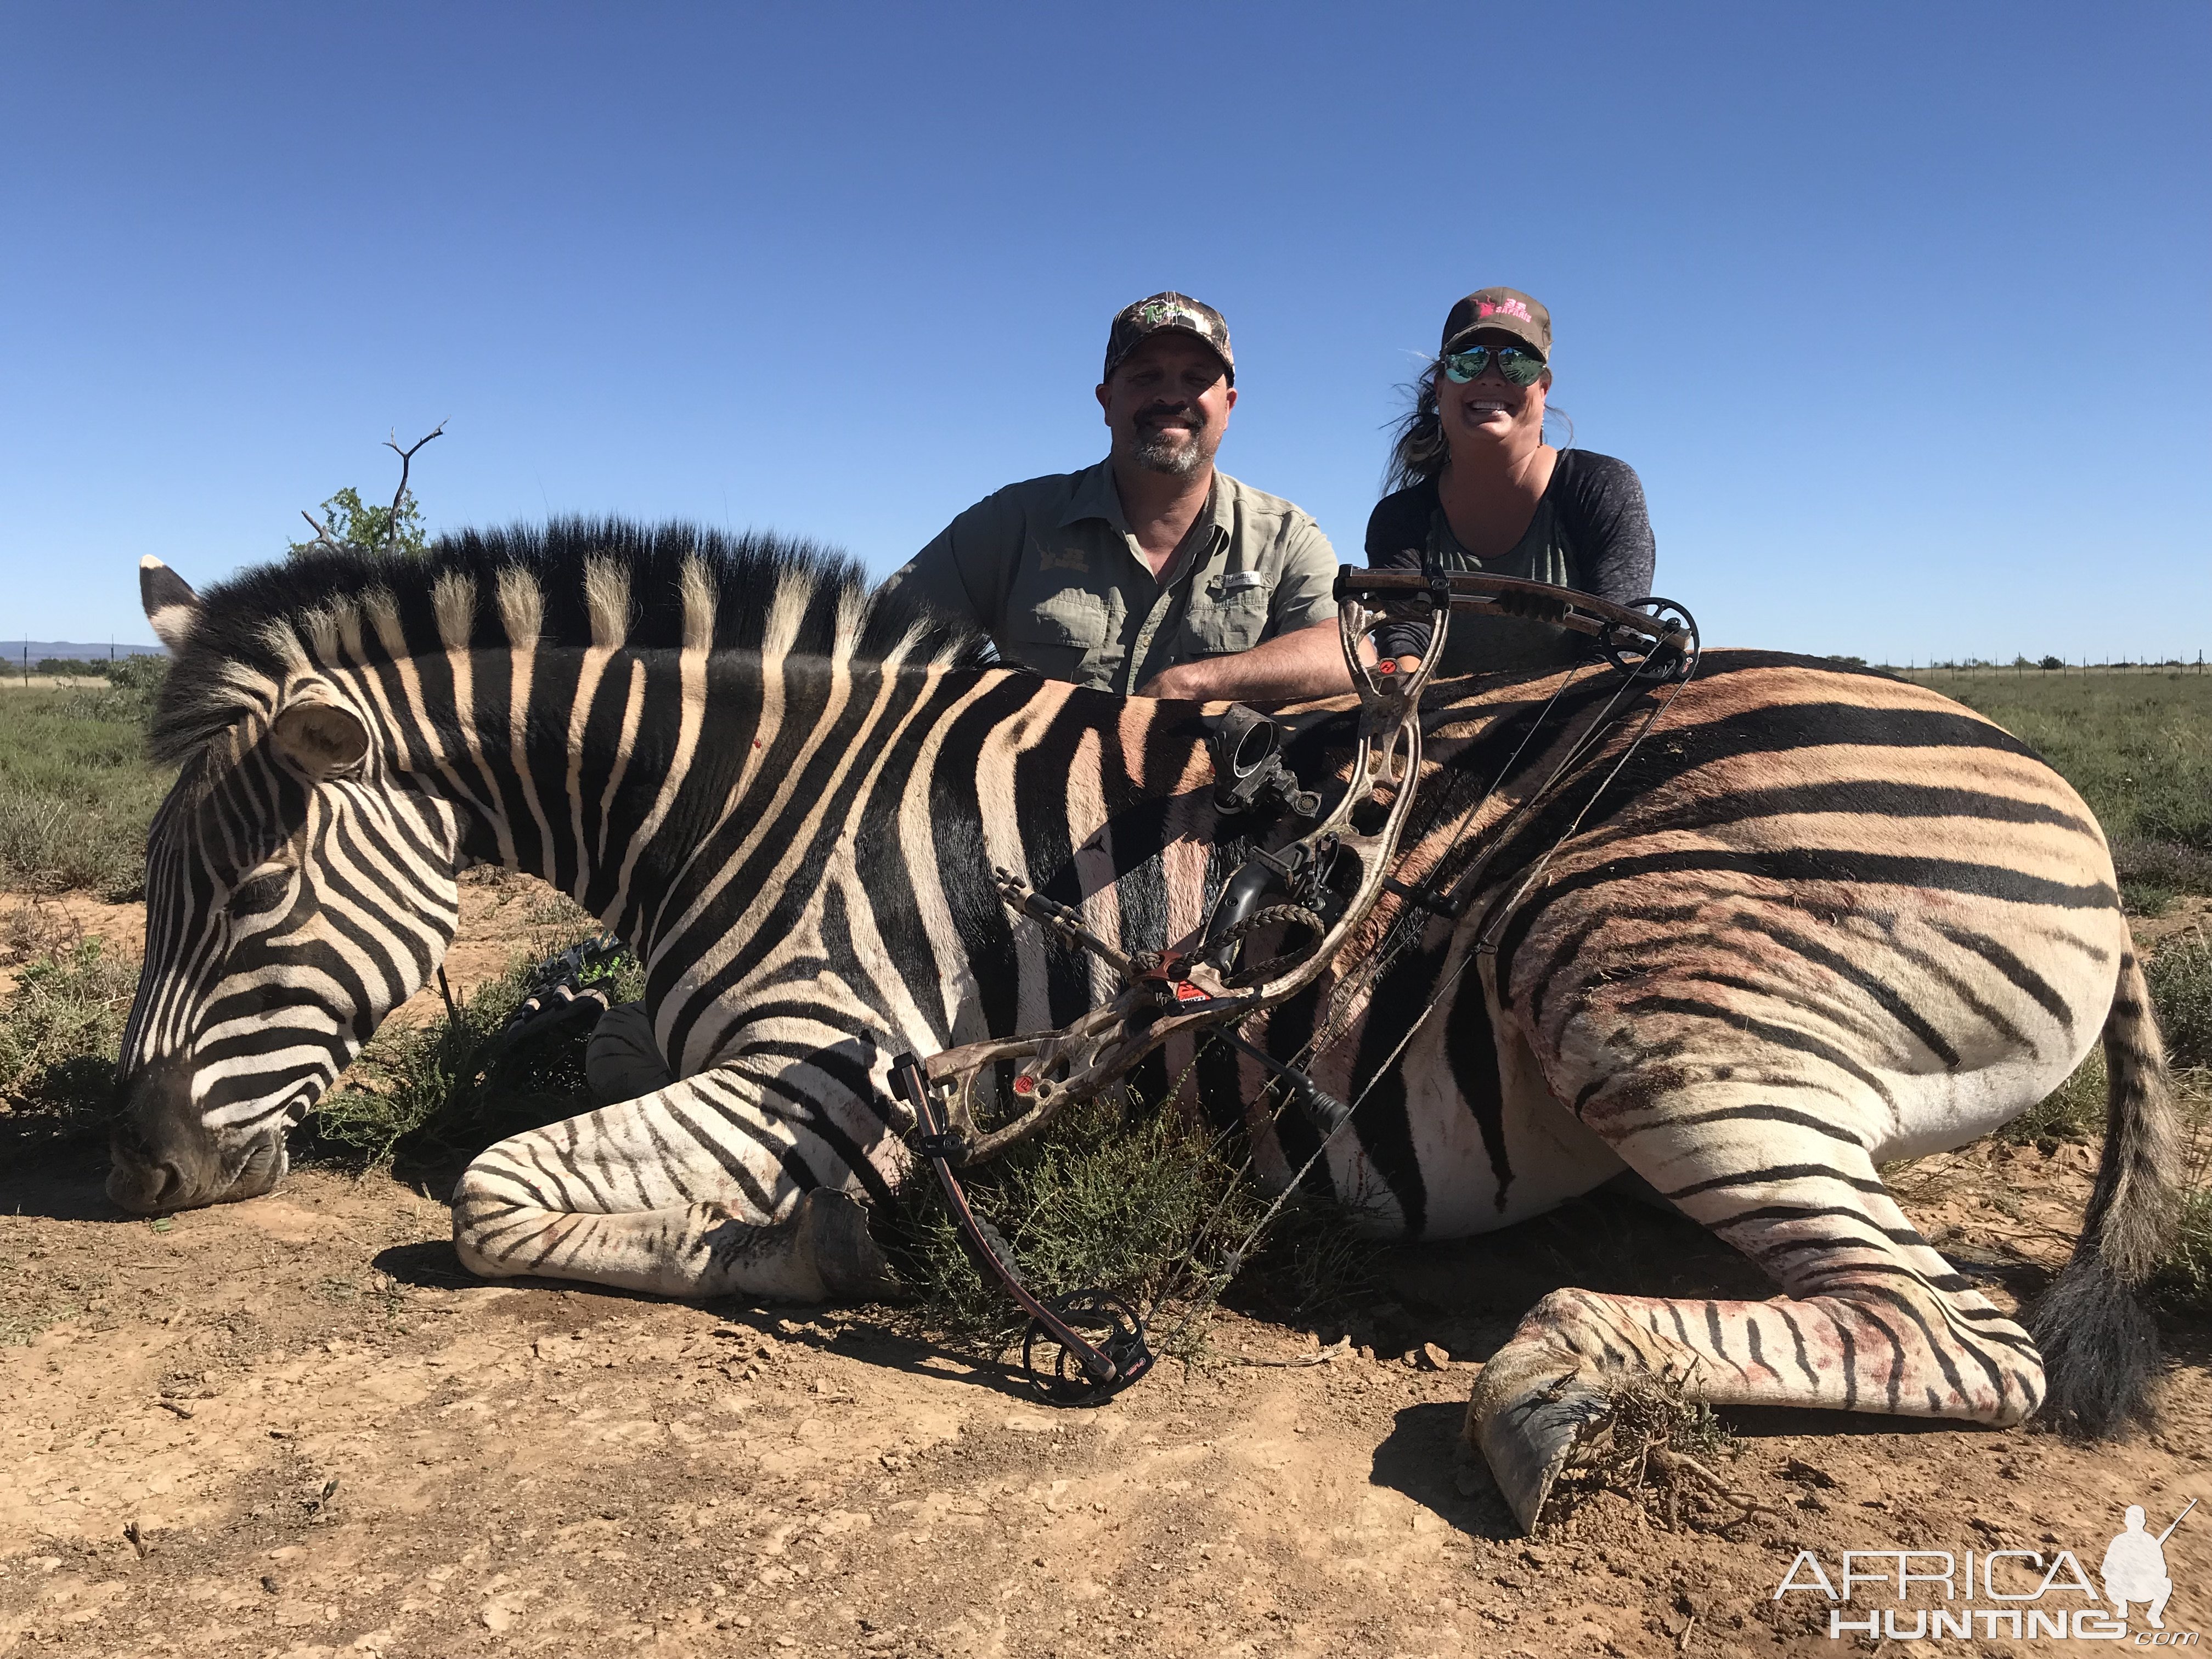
x=707 y=806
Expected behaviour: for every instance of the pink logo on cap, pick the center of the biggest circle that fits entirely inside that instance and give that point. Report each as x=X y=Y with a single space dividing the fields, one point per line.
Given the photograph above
x=1510 y=307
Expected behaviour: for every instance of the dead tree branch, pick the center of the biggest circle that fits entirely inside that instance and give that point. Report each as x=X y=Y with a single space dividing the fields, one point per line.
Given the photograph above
x=322 y=532
x=406 y=456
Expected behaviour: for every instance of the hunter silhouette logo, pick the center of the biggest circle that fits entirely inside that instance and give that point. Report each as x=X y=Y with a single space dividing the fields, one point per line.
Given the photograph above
x=2135 y=1568
x=2024 y=1593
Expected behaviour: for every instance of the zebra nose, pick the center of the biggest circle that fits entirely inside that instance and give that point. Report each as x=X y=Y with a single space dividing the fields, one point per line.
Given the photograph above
x=140 y=1183
x=157 y=1143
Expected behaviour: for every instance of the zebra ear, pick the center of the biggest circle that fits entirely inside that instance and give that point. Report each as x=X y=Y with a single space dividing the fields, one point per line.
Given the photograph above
x=320 y=738
x=171 y=604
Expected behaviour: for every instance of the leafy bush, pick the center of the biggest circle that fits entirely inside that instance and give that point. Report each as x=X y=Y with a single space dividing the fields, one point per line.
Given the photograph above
x=1139 y=1201
x=60 y=1030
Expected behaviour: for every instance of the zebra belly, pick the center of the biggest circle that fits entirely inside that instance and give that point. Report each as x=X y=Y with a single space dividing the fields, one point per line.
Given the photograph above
x=1541 y=1155
x=1462 y=1135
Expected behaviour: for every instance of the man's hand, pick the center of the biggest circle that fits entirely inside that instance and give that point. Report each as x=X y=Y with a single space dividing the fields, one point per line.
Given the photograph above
x=1309 y=663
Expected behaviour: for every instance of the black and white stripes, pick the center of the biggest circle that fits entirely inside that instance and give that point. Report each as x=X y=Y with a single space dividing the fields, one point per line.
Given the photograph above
x=1818 y=921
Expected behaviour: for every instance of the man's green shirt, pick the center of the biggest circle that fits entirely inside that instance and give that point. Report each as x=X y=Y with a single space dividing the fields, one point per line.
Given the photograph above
x=1048 y=568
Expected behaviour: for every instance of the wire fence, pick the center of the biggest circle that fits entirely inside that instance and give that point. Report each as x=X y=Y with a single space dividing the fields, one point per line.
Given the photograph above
x=2024 y=667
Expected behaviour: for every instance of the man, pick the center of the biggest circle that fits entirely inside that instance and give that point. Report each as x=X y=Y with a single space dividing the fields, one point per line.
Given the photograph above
x=1150 y=573
x=2134 y=1570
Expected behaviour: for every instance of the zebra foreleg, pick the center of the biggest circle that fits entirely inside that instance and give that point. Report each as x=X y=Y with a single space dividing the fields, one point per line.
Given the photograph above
x=685 y=1191
x=1874 y=1319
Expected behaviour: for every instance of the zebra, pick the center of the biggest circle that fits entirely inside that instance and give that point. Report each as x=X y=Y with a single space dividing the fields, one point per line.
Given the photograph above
x=1819 y=920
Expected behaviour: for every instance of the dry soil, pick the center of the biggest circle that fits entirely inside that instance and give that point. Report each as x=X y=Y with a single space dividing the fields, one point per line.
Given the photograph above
x=296 y=1428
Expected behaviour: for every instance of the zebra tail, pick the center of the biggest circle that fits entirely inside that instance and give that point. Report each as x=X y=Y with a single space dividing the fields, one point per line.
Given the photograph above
x=2099 y=1344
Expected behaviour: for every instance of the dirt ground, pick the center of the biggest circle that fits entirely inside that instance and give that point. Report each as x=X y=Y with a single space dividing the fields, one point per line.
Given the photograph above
x=296 y=1428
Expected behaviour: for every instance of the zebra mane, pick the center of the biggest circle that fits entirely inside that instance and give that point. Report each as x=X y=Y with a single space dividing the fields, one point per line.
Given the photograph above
x=573 y=581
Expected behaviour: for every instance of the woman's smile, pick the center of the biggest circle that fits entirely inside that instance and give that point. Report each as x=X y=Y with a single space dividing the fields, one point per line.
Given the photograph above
x=1484 y=411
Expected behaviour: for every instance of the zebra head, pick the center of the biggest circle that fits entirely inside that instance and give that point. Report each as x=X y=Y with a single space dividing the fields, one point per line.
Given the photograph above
x=297 y=891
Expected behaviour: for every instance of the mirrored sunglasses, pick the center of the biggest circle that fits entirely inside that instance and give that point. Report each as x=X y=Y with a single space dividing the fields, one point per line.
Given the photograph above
x=1519 y=365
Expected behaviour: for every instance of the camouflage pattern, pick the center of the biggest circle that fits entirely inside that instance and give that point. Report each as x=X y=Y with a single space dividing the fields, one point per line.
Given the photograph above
x=1135 y=324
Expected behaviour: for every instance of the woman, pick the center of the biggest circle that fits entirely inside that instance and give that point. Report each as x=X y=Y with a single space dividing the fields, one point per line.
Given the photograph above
x=1473 y=481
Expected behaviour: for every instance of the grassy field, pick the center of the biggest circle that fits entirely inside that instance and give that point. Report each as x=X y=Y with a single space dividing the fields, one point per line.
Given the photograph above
x=2138 y=746
x=76 y=788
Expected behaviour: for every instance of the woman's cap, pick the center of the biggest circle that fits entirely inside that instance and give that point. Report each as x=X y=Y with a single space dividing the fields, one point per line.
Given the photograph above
x=1135 y=324
x=1507 y=309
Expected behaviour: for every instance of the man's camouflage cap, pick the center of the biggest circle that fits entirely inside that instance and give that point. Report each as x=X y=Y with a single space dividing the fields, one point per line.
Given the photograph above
x=1136 y=324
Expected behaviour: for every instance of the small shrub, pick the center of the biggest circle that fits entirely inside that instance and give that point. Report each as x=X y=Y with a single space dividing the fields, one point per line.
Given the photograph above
x=2181 y=977
x=2185 y=1281
x=1655 y=1444
x=1315 y=1257
x=60 y=1031
x=1110 y=1196
x=428 y=1098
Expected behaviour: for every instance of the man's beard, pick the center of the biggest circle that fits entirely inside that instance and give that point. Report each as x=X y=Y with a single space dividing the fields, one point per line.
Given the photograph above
x=1177 y=453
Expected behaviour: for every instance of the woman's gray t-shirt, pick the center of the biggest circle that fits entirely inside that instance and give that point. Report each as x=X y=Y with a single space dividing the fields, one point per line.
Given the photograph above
x=1591 y=532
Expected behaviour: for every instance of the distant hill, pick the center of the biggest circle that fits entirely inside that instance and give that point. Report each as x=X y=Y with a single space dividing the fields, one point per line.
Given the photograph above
x=12 y=650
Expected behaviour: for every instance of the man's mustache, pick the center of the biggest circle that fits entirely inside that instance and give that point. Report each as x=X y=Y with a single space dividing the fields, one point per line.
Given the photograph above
x=1154 y=415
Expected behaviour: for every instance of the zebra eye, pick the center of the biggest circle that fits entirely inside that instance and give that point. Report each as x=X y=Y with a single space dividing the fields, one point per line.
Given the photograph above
x=261 y=893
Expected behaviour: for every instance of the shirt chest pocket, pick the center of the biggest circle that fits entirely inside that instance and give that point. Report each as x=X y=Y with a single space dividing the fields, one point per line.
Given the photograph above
x=1057 y=633
x=1227 y=613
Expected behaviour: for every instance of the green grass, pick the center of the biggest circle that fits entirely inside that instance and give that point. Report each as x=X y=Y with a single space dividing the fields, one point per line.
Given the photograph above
x=60 y=1030
x=76 y=791
x=427 y=1098
x=2181 y=977
x=2138 y=748
x=2184 y=1282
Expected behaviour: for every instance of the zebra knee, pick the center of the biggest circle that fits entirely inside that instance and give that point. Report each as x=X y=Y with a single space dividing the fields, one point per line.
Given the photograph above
x=489 y=1216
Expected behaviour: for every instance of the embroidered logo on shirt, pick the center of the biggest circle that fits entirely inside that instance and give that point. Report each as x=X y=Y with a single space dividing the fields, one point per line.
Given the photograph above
x=1236 y=580
x=1064 y=558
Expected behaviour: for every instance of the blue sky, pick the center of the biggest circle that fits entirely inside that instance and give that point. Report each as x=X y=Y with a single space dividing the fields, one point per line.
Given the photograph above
x=1900 y=312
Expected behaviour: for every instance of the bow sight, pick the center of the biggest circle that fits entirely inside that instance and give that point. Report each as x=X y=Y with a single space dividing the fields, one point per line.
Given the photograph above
x=1315 y=887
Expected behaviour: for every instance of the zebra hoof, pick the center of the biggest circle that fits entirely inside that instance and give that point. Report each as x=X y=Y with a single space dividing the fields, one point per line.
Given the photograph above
x=1533 y=1408
x=833 y=1228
